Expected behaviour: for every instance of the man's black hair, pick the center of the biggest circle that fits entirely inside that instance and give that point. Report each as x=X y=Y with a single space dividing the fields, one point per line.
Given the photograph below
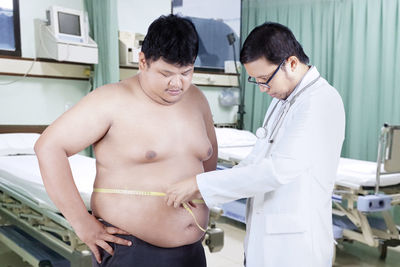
x=173 y=39
x=273 y=41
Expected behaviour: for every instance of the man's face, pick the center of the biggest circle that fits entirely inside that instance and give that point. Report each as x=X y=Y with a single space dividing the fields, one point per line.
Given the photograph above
x=262 y=70
x=163 y=82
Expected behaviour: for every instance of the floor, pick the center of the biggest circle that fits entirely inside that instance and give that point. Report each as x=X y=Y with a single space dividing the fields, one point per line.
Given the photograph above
x=232 y=253
x=348 y=254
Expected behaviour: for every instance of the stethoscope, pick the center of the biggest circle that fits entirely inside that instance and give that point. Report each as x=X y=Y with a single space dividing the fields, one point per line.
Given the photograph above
x=262 y=132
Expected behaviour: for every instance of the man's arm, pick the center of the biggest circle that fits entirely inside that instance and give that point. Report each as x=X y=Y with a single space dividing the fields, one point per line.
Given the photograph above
x=82 y=125
x=211 y=163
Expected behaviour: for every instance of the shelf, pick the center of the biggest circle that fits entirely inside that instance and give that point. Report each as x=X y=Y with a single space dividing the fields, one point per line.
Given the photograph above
x=200 y=78
x=65 y=70
x=43 y=69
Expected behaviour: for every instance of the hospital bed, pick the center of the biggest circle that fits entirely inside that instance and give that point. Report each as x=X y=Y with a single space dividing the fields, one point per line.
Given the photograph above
x=364 y=193
x=30 y=224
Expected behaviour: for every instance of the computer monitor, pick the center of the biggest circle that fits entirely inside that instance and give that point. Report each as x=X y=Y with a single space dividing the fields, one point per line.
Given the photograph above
x=68 y=25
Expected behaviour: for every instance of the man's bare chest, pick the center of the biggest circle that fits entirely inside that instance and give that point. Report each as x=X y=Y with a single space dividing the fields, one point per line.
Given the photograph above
x=156 y=136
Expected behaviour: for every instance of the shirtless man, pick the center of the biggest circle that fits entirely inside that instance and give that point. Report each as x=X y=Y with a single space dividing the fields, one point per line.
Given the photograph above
x=148 y=131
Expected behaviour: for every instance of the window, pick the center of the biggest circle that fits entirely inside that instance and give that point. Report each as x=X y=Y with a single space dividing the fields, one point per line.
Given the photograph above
x=214 y=21
x=10 y=40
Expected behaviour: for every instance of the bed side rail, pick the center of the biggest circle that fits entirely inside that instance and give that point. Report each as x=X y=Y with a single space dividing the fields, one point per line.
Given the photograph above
x=388 y=152
x=46 y=226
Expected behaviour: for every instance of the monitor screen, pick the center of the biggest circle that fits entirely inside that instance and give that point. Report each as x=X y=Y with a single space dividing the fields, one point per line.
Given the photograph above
x=69 y=24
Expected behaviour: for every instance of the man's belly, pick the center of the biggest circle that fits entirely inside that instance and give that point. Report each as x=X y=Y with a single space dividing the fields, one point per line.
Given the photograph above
x=148 y=217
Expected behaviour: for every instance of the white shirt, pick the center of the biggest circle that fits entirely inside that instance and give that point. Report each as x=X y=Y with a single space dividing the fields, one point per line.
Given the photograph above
x=290 y=182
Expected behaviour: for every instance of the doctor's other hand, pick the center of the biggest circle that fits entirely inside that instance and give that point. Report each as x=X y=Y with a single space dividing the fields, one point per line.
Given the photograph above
x=95 y=234
x=182 y=192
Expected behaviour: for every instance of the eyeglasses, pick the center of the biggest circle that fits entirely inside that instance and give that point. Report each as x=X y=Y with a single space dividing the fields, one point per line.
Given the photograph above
x=253 y=80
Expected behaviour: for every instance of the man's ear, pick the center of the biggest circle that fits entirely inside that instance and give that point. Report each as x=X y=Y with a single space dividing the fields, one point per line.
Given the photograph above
x=142 y=61
x=293 y=63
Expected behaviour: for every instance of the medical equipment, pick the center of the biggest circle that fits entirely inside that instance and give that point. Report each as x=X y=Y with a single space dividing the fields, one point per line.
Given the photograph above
x=262 y=132
x=130 y=44
x=27 y=211
x=65 y=36
x=366 y=191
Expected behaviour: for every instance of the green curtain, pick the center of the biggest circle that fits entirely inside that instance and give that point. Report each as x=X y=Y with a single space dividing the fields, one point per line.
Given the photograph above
x=355 y=45
x=103 y=20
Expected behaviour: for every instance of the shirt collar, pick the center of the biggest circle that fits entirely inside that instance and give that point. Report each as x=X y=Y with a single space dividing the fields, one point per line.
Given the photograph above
x=310 y=75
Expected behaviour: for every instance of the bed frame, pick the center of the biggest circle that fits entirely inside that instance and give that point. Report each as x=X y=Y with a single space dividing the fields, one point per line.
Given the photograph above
x=357 y=211
x=49 y=228
x=22 y=128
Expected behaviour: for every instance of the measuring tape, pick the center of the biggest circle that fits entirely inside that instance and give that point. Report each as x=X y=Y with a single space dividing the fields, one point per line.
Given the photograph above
x=151 y=194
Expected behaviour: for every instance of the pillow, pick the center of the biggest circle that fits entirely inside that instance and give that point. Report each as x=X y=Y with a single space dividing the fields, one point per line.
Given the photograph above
x=17 y=143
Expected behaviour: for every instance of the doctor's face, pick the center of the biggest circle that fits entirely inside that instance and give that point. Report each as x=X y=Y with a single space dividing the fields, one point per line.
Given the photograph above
x=262 y=71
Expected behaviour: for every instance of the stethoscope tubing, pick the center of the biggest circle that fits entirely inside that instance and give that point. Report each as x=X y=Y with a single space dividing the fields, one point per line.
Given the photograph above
x=285 y=109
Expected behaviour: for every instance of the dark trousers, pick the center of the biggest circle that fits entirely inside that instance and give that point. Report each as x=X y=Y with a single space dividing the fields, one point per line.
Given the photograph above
x=143 y=254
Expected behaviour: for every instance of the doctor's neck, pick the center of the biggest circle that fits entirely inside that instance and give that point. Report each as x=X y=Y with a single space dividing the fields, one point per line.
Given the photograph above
x=296 y=75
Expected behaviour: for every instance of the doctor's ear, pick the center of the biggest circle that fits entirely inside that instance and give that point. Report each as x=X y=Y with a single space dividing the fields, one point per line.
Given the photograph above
x=292 y=63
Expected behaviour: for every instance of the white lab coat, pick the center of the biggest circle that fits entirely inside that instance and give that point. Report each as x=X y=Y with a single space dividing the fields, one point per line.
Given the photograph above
x=289 y=213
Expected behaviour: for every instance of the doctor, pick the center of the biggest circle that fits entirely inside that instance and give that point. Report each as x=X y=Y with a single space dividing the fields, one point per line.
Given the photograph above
x=289 y=176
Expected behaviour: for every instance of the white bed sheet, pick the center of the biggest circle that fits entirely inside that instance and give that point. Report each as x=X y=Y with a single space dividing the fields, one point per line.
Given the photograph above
x=22 y=174
x=235 y=154
x=233 y=144
x=355 y=173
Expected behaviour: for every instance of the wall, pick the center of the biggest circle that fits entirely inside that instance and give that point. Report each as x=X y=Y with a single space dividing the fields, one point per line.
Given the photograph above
x=37 y=100
x=137 y=15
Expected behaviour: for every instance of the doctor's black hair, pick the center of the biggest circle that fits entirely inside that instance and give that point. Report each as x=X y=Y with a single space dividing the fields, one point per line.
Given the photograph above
x=172 y=38
x=273 y=41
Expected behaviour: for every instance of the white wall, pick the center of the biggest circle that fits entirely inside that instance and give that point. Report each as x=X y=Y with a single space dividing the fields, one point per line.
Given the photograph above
x=37 y=100
x=137 y=15
x=220 y=114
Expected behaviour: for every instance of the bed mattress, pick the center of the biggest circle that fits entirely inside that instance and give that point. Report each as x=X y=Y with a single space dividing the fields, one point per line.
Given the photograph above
x=22 y=174
x=359 y=173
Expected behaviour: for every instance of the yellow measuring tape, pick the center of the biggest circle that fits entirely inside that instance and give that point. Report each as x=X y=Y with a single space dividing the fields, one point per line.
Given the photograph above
x=152 y=194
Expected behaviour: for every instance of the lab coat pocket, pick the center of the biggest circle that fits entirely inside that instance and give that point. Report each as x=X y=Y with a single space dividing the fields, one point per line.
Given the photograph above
x=284 y=223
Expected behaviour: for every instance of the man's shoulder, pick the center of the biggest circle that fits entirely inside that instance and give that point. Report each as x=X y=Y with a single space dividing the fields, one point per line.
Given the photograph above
x=110 y=92
x=195 y=94
x=324 y=91
x=196 y=98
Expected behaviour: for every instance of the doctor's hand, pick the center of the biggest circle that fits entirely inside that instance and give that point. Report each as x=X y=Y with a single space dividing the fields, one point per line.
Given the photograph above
x=182 y=192
x=96 y=235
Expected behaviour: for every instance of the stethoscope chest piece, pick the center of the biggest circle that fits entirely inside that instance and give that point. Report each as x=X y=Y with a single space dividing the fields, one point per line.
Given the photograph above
x=261 y=133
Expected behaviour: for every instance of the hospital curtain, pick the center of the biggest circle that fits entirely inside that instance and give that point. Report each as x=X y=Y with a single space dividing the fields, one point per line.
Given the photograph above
x=103 y=22
x=355 y=45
